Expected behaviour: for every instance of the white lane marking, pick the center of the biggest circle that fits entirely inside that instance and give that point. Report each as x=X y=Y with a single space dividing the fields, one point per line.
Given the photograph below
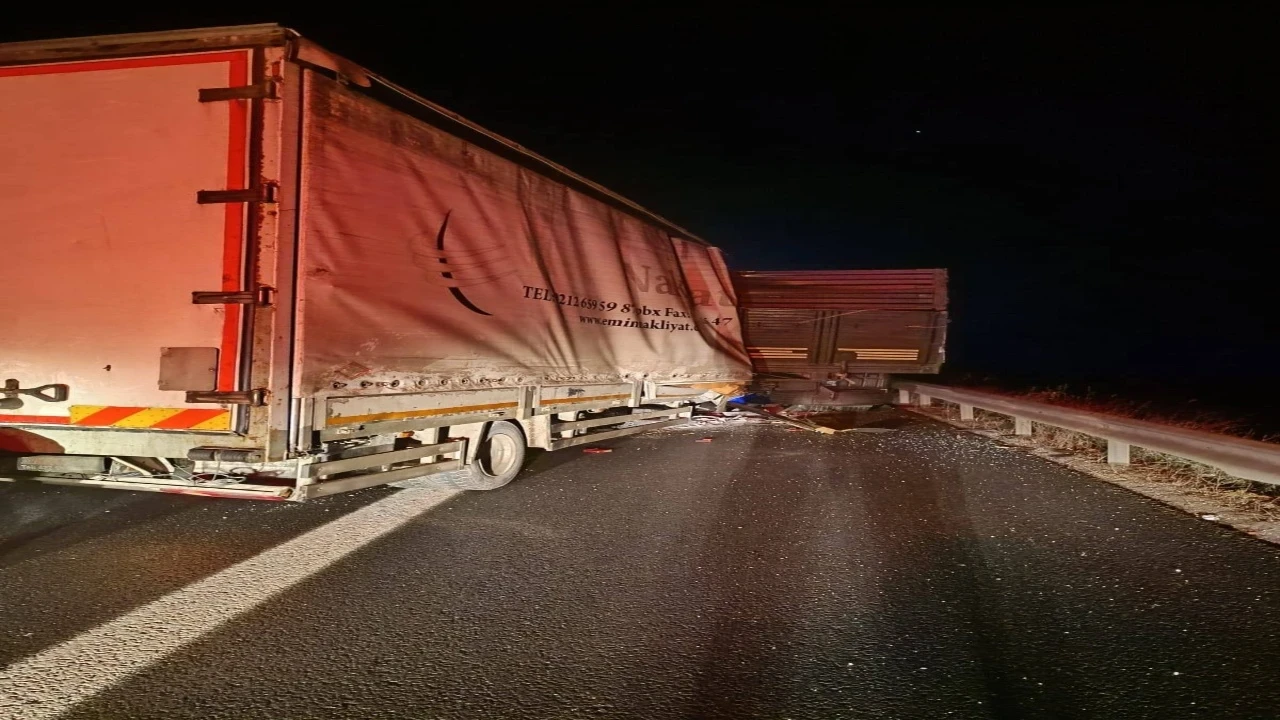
x=49 y=683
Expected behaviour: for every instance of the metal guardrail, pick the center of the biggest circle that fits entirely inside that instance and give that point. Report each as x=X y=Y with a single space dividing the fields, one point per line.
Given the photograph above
x=1247 y=459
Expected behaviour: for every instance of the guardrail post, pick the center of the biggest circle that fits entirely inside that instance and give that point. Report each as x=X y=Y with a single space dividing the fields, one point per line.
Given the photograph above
x=1117 y=452
x=966 y=412
x=1238 y=457
x=925 y=400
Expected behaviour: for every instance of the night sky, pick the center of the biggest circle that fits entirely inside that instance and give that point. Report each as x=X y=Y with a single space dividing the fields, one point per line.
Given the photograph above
x=1100 y=185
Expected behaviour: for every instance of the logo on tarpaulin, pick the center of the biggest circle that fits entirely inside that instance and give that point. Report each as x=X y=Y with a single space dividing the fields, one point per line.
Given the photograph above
x=458 y=266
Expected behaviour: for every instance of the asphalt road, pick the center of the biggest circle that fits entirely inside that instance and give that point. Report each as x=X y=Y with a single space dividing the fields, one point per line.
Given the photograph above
x=921 y=573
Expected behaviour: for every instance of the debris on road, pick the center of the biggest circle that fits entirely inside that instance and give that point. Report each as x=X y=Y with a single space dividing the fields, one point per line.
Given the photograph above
x=596 y=450
x=769 y=411
x=826 y=422
x=731 y=417
x=705 y=439
x=864 y=421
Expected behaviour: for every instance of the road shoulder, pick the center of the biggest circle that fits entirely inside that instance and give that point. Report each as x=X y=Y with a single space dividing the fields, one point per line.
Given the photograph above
x=1208 y=504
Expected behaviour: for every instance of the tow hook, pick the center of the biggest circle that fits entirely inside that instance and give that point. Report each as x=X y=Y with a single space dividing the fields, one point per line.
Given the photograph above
x=10 y=400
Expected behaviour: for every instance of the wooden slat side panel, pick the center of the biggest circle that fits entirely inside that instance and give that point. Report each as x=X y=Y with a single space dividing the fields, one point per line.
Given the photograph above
x=885 y=337
x=844 y=289
x=778 y=340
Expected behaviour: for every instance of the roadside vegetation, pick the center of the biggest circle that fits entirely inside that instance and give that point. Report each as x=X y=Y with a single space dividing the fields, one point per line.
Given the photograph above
x=1187 y=477
x=1254 y=415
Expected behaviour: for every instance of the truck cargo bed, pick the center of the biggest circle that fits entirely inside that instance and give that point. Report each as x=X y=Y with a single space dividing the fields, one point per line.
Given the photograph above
x=236 y=250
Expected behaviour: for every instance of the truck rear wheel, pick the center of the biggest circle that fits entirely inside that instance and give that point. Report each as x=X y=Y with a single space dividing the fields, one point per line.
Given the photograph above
x=498 y=461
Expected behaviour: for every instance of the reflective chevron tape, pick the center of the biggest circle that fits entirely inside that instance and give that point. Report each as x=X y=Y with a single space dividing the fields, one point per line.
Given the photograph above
x=155 y=418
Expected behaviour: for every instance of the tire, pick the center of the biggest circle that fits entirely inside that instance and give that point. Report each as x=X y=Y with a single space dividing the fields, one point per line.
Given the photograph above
x=504 y=445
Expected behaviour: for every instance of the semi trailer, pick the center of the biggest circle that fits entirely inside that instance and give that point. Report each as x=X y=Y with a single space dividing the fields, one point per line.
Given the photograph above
x=239 y=265
x=835 y=337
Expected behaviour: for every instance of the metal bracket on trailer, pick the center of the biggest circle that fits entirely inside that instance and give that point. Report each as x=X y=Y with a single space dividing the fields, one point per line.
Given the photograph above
x=260 y=297
x=364 y=462
x=254 y=398
x=596 y=436
x=265 y=90
x=230 y=455
x=348 y=432
x=311 y=485
x=267 y=192
x=616 y=419
x=243 y=491
x=676 y=416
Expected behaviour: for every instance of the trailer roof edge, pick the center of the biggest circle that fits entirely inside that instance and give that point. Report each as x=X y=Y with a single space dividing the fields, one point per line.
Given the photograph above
x=95 y=46
x=272 y=34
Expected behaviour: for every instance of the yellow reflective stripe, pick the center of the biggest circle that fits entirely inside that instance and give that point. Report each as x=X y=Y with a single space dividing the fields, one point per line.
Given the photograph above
x=577 y=400
x=220 y=422
x=146 y=418
x=414 y=414
x=80 y=412
x=141 y=418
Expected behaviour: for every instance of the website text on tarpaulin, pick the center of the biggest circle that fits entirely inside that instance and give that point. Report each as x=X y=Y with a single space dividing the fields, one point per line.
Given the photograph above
x=644 y=324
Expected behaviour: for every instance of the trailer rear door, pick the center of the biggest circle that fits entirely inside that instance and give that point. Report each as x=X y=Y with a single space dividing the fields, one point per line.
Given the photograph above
x=102 y=240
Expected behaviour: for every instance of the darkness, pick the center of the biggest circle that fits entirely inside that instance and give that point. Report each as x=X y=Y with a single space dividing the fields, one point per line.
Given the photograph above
x=1098 y=182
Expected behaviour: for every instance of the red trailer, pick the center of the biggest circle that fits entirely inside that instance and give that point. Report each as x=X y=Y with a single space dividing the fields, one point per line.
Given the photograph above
x=835 y=336
x=239 y=265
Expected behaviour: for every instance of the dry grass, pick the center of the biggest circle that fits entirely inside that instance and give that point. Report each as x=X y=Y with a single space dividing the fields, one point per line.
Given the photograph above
x=1208 y=481
x=1191 y=418
x=1187 y=476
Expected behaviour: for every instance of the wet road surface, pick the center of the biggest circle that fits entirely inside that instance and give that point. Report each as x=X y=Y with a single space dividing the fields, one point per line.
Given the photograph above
x=922 y=573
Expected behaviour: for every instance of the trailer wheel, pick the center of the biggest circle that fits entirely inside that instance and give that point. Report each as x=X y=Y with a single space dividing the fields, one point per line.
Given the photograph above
x=498 y=461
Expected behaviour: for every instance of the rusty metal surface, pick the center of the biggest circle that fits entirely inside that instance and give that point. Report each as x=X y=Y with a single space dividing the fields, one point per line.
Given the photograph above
x=844 y=289
x=780 y=338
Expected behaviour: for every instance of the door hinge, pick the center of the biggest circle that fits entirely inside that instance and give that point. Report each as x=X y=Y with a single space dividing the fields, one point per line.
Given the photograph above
x=260 y=297
x=265 y=90
x=265 y=193
x=256 y=398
